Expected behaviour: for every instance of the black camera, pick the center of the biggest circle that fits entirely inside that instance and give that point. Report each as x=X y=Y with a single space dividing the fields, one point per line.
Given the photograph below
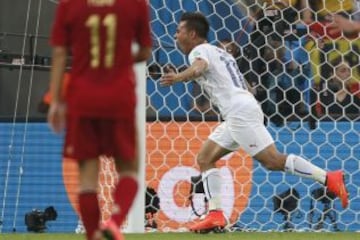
x=36 y=219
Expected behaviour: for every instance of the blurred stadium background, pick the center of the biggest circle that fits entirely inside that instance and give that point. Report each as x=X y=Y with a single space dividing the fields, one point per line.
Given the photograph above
x=291 y=67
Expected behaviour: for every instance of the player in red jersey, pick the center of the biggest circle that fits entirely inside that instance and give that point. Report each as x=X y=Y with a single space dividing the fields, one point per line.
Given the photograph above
x=100 y=101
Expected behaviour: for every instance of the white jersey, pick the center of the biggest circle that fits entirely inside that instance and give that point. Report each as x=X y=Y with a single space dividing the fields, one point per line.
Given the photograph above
x=222 y=80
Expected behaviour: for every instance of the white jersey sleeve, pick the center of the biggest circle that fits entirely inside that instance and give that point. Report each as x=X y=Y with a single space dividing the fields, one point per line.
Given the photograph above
x=198 y=52
x=222 y=79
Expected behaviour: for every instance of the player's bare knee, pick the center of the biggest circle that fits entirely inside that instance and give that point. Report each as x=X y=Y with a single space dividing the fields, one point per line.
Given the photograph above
x=87 y=185
x=203 y=162
x=126 y=166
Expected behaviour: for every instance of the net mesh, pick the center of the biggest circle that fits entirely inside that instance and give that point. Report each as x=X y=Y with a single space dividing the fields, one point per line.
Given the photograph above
x=305 y=78
x=292 y=66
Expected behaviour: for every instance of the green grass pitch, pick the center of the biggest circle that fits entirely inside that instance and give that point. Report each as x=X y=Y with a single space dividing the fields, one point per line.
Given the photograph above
x=191 y=236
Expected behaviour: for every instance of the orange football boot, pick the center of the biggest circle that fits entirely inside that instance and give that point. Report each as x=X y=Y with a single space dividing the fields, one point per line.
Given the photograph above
x=335 y=183
x=214 y=221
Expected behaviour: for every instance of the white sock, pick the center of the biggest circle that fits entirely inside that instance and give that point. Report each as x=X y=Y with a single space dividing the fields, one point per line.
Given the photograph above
x=212 y=187
x=299 y=166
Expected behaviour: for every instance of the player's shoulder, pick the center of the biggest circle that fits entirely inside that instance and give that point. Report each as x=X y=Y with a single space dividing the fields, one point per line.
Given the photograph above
x=133 y=5
x=139 y=2
x=207 y=48
x=64 y=1
x=142 y=4
x=201 y=47
x=204 y=46
x=203 y=51
x=142 y=1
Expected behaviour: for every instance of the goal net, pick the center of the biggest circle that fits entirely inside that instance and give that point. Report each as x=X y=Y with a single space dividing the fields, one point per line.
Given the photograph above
x=291 y=65
x=305 y=77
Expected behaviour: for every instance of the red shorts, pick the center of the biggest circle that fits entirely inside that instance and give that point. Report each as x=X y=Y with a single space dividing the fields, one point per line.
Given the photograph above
x=88 y=138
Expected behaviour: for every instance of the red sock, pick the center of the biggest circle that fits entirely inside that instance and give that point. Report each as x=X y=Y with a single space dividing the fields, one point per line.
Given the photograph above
x=124 y=195
x=90 y=212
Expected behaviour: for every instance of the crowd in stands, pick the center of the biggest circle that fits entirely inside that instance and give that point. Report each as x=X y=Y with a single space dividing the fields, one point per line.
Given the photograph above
x=339 y=95
x=295 y=65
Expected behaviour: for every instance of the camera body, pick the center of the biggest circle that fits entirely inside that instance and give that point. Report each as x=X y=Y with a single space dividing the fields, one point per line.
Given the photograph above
x=36 y=219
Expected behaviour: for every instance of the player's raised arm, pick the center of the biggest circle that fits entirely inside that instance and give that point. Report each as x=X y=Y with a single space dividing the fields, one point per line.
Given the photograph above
x=194 y=71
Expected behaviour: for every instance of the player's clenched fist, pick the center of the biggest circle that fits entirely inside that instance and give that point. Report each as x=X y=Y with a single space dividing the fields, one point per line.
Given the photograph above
x=168 y=79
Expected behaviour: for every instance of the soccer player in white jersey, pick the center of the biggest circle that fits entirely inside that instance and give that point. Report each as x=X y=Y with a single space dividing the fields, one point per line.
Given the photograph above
x=216 y=71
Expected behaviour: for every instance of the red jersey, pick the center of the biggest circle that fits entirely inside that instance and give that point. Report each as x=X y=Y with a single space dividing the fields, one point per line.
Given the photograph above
x=99 y=34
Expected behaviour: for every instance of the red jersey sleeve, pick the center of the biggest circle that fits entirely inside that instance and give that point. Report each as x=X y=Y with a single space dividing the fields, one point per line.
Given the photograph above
x=143 y=36
x=59 y=32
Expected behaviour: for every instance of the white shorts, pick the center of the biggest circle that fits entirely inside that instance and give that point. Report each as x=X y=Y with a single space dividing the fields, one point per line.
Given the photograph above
x=246 y=131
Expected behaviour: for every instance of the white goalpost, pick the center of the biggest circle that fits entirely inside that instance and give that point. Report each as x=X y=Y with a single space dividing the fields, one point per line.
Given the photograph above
x=137 y=213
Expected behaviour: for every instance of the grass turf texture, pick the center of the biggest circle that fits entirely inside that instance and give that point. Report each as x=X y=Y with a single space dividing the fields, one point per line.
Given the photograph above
x=192 y=236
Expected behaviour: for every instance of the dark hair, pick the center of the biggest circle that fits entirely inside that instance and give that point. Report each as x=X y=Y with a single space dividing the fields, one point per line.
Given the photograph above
x=196 y=21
